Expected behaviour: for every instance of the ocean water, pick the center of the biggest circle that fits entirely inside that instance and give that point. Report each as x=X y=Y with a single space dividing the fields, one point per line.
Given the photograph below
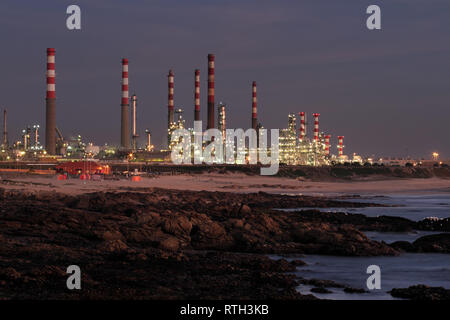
x=396 y=272
x=413 y=207
x=390 y=237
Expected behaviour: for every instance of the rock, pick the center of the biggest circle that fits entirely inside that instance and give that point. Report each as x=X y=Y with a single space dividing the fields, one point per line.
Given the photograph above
x=146 y=217
x=111 y=235
x=170 y=244
x=208 y=234
x=434 y=224
x=81 y=203
x=298 y=263
x=244 y=210
x=421 y=292
x=320 y=290
x=139 y=236
x=49 y=271
x=10 y=274
x=113 y=246
x=354 y=290
x=439 y=243
x=236 y=223
x=321 y=283
x=178 y=226
x=269 y=224
x=403 y=246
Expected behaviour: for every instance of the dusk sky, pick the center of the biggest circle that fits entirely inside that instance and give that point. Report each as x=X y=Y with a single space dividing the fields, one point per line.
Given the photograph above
x=387 y=91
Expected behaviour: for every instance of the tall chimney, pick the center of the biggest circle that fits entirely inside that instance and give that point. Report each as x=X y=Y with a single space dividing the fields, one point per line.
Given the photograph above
x=50 y=117
x=149 y=142
x=327 y=145
x=254 y=108
x=222 y=120
x=36 y=135
x=5 y=131
x=133 y=112
x=316 y=128
x=197 y=96
x=170 y=106
x=341 y=146
x=125 y=117
x=302 y=126
x=210 y=124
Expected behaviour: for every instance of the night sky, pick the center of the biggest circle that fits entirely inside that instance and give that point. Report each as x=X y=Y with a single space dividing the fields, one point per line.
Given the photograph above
x=386 y=91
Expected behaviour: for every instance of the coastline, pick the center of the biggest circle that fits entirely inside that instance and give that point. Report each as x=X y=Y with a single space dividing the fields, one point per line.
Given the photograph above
x=233 y=182
x=132 y=233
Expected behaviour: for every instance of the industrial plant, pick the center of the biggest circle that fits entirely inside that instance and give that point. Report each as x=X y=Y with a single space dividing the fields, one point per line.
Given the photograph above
x=296 y=147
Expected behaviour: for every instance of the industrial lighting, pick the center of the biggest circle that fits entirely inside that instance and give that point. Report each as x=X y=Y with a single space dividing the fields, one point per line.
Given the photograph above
x=435 y=155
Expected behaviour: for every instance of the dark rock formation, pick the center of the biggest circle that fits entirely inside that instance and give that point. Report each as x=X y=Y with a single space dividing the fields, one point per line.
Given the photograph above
x=321 y=285
x=421 y=292
x=157 y=243
x=433 y=224
x=320 y=290
x=437 y=243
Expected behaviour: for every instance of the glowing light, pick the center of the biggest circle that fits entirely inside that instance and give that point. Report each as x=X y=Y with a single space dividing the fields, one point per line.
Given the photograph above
x=435 y=155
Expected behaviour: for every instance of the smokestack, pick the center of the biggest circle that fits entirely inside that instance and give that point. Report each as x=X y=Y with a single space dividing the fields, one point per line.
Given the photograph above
x=5 y=131
x=316 y=128
x=149 y=142
x=302 y=126
x=170 y=105
x=133 y=112
x=197 y=95
x=327 y=145
x=210 y=91
x=50 y=117
x=341 y=146
x=36 y=135
x=221 y=120
x=125 y=117
x=254 y=108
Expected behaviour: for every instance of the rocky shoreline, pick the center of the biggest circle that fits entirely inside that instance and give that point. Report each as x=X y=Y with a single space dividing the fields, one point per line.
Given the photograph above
x=149 y=243
x=421 y=292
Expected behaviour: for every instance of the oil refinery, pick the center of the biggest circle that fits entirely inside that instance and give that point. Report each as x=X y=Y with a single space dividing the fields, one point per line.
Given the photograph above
x=296 y=146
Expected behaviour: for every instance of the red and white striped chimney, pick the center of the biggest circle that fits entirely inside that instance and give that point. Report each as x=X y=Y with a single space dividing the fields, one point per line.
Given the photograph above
x=170 y=106
x=125 y=114
x=254 y=106
x=211 y=92
x=327 y=145
x=50 y=117
x=302 y=126
x=316 y=127
x=51 y=73
x=197 y=95
x=125 y=81
x=341 y=146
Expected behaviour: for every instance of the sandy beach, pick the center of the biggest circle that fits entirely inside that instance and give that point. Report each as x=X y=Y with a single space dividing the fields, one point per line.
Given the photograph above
x=231 y=183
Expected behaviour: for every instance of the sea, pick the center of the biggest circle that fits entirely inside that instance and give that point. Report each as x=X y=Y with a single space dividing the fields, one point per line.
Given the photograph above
x=396 y=272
